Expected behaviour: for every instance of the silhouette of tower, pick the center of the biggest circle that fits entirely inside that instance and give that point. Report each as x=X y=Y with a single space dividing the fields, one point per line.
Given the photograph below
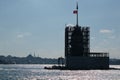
x=77 y=48
x=77 y=39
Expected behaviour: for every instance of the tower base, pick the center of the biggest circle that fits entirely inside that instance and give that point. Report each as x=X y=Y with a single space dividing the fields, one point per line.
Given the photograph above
x=76 y=62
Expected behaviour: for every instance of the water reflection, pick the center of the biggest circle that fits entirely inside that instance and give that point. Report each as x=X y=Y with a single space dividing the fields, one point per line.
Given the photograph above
x=36 y=72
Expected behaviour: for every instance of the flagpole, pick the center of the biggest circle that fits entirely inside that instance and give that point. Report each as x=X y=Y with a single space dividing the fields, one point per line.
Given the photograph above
x=77 y=15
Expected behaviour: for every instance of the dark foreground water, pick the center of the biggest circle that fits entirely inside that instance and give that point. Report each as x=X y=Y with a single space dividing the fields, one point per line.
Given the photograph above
x=36 y=72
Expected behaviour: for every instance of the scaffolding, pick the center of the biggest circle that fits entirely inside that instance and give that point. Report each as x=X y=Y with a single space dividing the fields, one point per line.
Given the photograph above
x=77 y=41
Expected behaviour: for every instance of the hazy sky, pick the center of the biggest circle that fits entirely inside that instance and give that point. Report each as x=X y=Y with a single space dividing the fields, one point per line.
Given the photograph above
x=28 y=26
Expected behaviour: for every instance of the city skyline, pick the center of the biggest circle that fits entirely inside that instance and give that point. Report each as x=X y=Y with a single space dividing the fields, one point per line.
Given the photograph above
x=38 y=26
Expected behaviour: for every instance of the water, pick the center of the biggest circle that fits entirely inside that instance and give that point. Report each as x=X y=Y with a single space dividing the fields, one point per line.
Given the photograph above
x=36 y=72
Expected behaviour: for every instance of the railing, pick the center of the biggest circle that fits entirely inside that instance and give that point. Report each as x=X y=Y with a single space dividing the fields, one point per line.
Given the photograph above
x=98 y=54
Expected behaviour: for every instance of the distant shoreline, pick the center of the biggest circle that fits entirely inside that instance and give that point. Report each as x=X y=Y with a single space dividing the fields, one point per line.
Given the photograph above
x=38 y=60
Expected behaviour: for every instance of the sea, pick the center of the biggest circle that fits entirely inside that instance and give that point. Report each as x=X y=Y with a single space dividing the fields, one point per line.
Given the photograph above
x=37 y=72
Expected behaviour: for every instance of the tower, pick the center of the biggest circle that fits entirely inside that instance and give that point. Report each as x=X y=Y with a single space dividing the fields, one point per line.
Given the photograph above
x=76 y=41
x=77 y=49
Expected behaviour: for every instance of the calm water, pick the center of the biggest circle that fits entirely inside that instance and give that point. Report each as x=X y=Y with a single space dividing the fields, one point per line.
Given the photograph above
x=36 y=72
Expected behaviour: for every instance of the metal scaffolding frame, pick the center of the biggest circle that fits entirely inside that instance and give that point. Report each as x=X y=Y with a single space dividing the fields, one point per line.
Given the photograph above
x=77 y=41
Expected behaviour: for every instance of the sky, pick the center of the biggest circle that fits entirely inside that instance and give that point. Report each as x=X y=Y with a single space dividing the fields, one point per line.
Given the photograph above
x=37 y=26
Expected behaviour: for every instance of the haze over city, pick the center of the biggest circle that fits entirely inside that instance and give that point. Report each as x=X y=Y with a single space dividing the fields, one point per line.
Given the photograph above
x=37 y=26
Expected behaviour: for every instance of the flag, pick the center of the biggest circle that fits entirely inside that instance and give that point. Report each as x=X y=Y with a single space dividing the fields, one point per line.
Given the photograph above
x=75 y=12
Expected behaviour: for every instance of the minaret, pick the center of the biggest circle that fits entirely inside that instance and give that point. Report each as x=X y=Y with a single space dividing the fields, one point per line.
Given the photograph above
x=34 y=54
